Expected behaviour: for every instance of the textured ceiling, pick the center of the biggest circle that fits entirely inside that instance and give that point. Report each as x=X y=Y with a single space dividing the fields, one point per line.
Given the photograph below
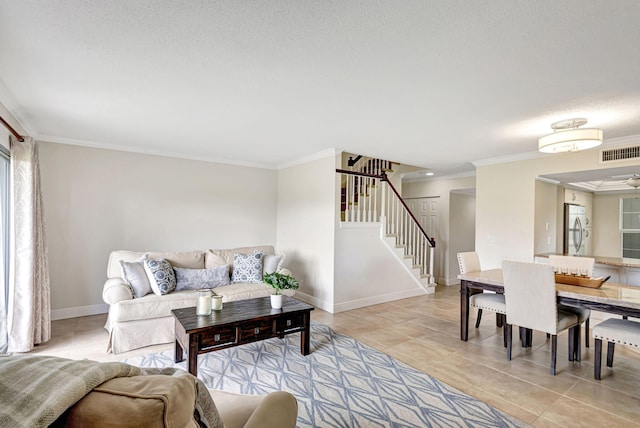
x=436 y=84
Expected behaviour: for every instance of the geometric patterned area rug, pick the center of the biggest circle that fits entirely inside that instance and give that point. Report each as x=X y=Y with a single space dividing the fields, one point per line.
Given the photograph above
x=341 y=383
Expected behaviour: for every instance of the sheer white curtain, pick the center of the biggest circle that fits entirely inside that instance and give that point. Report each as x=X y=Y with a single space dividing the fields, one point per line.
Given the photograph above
x=29 y=317
x=4 y=247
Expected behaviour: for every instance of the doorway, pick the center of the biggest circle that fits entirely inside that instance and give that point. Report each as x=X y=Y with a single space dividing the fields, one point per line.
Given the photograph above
x=425 y=210
x=462 y=226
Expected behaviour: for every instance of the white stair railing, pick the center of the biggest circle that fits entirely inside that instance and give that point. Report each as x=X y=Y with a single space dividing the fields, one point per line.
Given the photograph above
x=361 y=198
x=372 y=198
x=398 y=221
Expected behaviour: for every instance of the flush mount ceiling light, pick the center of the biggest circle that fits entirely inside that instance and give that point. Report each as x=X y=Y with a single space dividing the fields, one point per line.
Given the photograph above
x=567 y=137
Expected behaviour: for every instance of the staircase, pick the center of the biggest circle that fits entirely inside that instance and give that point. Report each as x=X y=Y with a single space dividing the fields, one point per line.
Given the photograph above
x=367 y=196
x=359 y=198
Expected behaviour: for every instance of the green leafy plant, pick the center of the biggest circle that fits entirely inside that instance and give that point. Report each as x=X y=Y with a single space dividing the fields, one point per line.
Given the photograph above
x=281 y=282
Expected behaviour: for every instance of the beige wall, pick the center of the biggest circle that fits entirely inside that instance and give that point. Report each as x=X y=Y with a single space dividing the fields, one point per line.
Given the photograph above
x=505 y=217
x=462 y=235
x=306 y=216
x=606 y=215
x=98 y=200
x=546 y=210
x=446 y=267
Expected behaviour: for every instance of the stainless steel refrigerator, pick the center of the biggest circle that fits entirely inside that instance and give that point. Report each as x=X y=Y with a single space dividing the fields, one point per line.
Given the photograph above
x=575 y=233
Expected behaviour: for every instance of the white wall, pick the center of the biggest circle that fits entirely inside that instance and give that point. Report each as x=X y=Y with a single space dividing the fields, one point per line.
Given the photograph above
x=505 y=217
x=446 y=266
x=96 y=201
x=306 y=213
x=366 y=272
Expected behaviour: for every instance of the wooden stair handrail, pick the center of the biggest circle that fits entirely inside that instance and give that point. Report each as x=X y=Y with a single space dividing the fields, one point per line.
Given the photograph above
x=361 y=174
x=432 y=241
x=352 y=161
x=383 y=177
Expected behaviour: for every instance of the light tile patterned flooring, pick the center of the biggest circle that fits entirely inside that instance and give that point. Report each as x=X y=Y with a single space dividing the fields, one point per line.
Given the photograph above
x=424 y=332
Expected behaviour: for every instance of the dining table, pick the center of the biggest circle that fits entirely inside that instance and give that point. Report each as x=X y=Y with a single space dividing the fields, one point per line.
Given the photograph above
x=619 y=299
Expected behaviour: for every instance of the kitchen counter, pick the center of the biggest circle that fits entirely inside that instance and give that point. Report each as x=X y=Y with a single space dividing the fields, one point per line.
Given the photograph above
x=621 y=270
x=611 y=261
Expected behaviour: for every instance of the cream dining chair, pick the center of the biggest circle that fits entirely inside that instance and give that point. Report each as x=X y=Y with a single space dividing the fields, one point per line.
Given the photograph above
x=580 y=265
x=530 y=297
x=613 y=331
x=470 y=262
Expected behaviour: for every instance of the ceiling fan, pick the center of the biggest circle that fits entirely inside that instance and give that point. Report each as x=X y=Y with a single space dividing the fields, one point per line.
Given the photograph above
x=625 y=179
x=623 y=176
x=633 y=181
x=611 y=183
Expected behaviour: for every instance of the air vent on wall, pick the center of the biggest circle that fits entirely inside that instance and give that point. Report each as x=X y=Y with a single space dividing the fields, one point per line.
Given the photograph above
x=619 y=154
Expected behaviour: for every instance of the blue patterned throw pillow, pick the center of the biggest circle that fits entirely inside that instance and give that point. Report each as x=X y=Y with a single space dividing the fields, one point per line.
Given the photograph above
x=247 y=268
x=161 y=276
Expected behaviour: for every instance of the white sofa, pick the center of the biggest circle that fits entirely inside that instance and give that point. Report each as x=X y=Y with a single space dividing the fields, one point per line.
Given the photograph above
x=137 y=322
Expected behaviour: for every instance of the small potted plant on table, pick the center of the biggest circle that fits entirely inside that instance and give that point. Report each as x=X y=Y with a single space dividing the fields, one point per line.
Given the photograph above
x=280 y=282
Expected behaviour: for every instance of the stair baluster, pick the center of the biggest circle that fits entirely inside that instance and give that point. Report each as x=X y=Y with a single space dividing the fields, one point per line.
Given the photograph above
x=367 y=191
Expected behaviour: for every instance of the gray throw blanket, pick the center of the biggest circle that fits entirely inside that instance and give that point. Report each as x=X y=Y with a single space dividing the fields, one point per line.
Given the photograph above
x=36 y=390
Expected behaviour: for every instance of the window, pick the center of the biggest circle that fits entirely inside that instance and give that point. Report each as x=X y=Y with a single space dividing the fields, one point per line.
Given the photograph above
x=630 y=227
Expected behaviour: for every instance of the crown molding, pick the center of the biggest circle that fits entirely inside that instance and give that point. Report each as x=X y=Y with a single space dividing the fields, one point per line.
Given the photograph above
x=509 y=158
x=462 y=174
x=547 y=180
x=178 y=155
x=332 y=152
x=131 y=149
x=607 y=144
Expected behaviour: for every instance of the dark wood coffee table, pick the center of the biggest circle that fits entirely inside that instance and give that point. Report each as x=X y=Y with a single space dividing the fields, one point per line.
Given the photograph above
x=239 y=322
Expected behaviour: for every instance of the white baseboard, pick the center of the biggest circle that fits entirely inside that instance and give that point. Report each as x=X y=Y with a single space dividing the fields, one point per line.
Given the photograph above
x=375 y=300
x=449 y=281
x=79 y=311
x=312 y=300
x=359 y=303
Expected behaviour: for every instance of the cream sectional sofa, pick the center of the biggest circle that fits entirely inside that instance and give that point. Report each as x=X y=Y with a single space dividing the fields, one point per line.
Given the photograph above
x=137 y=322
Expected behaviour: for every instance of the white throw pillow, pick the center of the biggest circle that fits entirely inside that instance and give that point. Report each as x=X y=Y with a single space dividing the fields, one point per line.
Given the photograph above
x=194 y=279
x=135 y=275
x=212 y=260
x=273 y=262
x=247 y=268
x=161 y=276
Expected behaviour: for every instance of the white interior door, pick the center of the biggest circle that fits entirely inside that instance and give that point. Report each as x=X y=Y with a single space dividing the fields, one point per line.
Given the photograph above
x=426 y=212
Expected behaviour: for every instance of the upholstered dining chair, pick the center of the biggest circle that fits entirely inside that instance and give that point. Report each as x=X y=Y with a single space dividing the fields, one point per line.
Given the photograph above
x=579 y=265
x=530 y=298
x=614 y=331
x=470 y=262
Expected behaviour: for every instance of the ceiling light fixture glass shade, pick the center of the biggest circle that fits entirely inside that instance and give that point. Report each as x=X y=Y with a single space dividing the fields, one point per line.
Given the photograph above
x=567 y=137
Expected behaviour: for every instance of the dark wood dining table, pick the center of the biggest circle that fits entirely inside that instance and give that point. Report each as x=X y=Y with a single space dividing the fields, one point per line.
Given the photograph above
x=613 y=298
